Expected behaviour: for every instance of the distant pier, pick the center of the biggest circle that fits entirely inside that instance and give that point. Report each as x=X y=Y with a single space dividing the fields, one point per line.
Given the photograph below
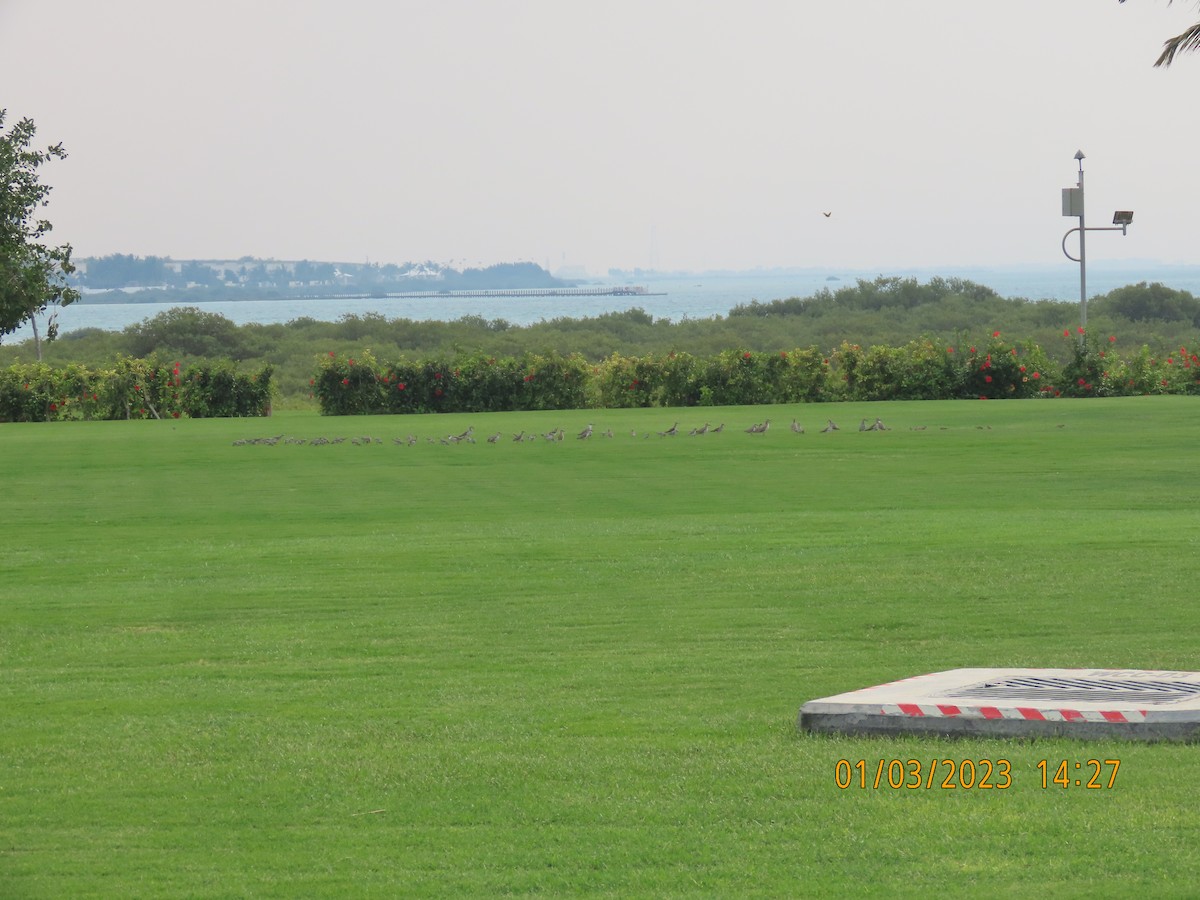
x=624 y=291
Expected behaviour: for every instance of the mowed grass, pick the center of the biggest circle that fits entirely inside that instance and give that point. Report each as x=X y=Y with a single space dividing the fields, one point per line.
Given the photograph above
x=575 y=667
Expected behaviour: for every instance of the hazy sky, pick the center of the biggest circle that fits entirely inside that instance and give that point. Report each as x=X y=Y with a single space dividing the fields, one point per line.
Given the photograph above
x=680 y=135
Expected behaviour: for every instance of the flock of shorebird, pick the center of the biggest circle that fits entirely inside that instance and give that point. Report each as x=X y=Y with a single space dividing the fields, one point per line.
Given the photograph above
x=556 y=434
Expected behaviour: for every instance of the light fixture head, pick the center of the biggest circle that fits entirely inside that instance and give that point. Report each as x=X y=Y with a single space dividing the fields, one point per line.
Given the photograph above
x=1123 y=217
x=1079 y=155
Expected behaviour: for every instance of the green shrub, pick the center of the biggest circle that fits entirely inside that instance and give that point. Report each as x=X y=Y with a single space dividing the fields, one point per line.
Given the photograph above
x=925 y=369
x=131 y=389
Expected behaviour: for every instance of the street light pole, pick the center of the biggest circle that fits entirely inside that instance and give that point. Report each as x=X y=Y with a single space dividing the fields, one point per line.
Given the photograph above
x=1082 y=249
x=1072 y=205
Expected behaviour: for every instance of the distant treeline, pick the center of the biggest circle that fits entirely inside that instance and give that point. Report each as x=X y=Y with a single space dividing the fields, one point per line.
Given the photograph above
x=160 y=279
x=886 y=312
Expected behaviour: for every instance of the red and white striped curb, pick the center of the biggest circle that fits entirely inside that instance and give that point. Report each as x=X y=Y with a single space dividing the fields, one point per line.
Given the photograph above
x=1026 y=713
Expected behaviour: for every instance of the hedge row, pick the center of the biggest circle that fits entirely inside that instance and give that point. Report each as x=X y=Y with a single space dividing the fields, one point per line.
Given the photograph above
x=131 y=389
x=920 y=370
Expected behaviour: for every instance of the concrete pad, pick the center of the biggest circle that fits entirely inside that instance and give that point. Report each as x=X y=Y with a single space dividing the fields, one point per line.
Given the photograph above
x=1135 y=704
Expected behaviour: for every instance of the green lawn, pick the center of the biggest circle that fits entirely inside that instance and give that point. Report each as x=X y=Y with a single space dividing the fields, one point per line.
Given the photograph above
x=575 y=667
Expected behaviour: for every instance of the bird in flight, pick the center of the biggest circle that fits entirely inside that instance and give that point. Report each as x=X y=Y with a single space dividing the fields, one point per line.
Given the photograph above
x=827 y=214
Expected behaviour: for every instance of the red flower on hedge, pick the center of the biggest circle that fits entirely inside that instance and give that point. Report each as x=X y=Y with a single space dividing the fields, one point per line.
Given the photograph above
x=987 y=378
x=437 y=375
x=1083 y=381
x=345 y=381
x=1112 y=338
x=437 y=392
x=331 y=353
x=1037 y=375
x=400 y=386
x=746 y=355
x=948 y=350
x=1066 y=332
x=53 y=407
x=1080 y=329
x=995 y=334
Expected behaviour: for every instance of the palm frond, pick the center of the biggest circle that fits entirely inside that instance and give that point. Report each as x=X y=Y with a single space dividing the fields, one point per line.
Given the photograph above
x=1181 y=43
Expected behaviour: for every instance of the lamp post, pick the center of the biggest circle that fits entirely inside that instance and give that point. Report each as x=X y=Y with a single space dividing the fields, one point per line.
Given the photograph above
x=1072 y=205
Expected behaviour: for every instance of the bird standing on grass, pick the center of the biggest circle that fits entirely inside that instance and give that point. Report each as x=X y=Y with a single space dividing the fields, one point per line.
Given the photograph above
x=586 y=433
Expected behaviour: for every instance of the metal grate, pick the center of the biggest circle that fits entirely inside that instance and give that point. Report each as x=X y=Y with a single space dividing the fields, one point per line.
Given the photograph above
x=1087 y=690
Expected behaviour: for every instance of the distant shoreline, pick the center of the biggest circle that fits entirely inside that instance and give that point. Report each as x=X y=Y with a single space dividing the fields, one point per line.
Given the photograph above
x=119 y=297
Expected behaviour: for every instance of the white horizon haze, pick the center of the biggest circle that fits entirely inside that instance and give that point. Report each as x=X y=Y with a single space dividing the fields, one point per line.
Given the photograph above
x=657 y=134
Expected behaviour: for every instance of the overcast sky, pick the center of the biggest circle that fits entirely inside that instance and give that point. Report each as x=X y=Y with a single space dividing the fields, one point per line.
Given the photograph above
x=654 y=133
